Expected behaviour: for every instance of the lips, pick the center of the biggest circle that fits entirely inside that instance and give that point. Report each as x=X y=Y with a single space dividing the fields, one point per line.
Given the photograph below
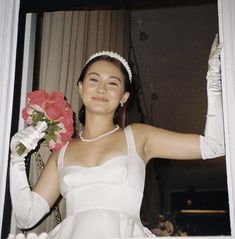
x=99 y=98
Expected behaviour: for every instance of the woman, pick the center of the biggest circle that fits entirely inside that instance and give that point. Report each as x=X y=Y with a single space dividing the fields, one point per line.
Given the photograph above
x=101 y=173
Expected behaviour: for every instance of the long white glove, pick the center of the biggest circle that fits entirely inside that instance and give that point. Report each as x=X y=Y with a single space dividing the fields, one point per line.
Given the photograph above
x=28 y=206
x=212 y=144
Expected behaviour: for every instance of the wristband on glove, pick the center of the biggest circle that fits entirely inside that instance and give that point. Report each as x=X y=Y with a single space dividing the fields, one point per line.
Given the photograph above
x=210 y=148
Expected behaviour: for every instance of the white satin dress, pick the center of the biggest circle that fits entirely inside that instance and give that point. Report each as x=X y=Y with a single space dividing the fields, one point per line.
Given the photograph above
x=103 y=202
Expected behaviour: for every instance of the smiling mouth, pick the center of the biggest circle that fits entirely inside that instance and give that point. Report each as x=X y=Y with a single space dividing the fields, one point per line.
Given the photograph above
x=101 y=99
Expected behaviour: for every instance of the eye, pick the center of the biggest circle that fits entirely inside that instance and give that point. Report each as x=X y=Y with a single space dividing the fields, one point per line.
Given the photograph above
x=93 y=80
x=113 y=83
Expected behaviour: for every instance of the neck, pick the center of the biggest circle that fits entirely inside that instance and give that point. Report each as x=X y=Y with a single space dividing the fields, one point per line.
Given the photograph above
x=100 y=136
x=96 y=125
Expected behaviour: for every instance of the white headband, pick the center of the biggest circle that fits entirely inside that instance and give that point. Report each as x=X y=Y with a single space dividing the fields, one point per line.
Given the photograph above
x=113 y=55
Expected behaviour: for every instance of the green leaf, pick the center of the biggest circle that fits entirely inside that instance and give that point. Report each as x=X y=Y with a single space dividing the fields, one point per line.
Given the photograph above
x=38 y=116
x=20 y=149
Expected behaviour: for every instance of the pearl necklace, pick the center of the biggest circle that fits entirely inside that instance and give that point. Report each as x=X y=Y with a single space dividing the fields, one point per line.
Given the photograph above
x=99 y=137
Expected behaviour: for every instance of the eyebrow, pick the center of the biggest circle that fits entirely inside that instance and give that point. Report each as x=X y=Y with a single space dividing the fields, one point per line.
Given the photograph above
x=95 y=73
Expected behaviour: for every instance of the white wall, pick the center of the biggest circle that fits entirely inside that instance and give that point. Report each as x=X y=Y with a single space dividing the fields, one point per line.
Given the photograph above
x=8 y=39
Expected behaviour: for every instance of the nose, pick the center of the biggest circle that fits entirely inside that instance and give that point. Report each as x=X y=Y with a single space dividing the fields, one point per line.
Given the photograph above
x=101 y=88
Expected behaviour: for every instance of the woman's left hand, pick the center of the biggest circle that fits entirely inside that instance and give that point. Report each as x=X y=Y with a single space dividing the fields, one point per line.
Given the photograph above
x=213 y=74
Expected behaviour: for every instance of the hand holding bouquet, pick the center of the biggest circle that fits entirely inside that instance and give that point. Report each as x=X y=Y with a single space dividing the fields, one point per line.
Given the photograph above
x=54 y=110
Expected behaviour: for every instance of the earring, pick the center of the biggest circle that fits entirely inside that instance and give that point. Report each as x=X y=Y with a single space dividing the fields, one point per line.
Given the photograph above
x=121 y=103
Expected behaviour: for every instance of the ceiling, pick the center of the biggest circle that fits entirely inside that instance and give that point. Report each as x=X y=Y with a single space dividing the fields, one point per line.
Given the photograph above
x=52 y=5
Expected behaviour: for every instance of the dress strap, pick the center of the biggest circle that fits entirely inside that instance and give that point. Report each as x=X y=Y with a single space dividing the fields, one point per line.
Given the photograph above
x=60 y=162
x=135 y=165
x=130 y=140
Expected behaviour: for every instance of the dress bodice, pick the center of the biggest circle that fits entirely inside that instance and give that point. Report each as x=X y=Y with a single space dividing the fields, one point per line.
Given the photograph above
x=104 y=201
x=116 y=184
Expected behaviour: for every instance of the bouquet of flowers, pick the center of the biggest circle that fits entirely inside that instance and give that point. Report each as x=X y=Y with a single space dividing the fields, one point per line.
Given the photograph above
x=52 y=108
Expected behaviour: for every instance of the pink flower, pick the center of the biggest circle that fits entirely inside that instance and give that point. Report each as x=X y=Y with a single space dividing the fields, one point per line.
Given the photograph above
x=67 y=120
x=66 y=136
x=51 y=144
x=37 y=107
x=37 y=97
x=25 y=114
x=54 y=109
x=57 y=96
x=55 y=106
x=56 y=145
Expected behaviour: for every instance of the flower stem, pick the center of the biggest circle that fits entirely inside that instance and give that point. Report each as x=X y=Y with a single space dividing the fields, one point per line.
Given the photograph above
x=20 y=149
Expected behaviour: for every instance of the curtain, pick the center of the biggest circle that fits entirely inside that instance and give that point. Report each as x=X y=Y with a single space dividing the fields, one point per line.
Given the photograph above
x=68 y=39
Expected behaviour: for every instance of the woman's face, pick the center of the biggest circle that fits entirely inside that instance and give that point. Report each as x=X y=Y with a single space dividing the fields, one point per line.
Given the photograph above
x=103 y=89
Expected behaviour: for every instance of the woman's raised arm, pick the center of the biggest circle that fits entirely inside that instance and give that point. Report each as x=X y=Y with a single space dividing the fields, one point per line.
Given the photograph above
x=172 y=145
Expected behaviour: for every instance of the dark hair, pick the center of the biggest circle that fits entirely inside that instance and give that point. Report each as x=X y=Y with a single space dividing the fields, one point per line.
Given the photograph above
x=127 y=85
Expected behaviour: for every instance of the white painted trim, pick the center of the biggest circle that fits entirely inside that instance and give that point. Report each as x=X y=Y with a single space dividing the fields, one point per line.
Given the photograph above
x=226 y=11
x=9 y=11
x=27 y=74
x=28 y=61
x=8 y=40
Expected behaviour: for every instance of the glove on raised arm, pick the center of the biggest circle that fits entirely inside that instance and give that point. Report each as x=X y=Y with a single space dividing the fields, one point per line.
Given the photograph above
x=28 y=206
x=212 y=144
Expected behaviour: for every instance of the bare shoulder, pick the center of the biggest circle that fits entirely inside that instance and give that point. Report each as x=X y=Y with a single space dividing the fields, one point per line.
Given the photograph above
x=151 y=140
x=52 y=160
x=140 y=126
x=143 y=131
x=73 y=151
x=72 y=146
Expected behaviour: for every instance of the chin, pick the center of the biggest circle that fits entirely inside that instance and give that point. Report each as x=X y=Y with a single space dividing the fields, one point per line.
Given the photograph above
x=100 y=110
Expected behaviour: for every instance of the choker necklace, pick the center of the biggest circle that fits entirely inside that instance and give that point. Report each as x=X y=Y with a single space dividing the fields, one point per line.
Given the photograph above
x=99 y=137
